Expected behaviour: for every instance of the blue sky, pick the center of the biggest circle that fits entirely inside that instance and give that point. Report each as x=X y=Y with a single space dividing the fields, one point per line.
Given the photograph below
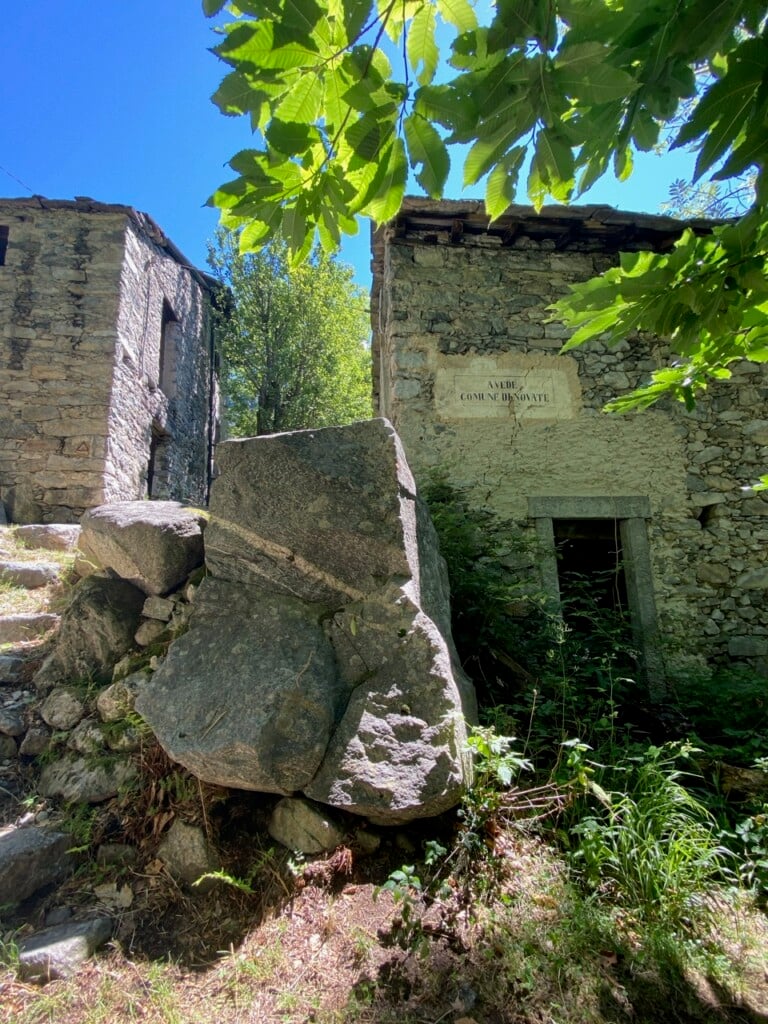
x=111 y=100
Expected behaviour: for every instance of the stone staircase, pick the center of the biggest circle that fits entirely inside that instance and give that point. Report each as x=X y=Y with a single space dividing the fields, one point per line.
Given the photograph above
x=33 y=572
x=35 y=855
x=34 y=563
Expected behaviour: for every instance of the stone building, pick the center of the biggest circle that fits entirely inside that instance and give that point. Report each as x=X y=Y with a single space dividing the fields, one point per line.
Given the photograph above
x=468 y=368
x=108 y=386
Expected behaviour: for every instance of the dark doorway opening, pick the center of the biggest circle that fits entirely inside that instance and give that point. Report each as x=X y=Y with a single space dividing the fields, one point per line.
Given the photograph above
x=590 y=571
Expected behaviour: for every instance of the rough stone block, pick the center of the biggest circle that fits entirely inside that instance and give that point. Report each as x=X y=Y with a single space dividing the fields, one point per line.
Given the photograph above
x=305 y=827
x=57 y=952
x=51 y=537
x=29 y=575
x=315 y=514
x=97 y=629
x=31 y=858
x=748 y=646
x=153 y=544
x=26 y=626
x=187 y=853
x=79 y=780
x=267 y=727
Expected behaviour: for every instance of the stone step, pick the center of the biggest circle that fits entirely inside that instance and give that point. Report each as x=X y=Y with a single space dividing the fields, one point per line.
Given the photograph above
x=29 y=575
x=49 y=536
x=24 y=626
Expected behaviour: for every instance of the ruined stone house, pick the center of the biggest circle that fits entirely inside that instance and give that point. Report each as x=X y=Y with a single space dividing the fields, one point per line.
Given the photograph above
x=108 y=386
x=468 y=368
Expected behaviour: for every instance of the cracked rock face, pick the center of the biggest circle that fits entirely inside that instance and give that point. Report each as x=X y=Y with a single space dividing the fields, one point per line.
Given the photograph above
x=319 y=657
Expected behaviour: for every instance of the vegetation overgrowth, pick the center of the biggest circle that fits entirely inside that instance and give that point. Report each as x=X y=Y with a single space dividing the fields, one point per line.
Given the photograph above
x=596 y=871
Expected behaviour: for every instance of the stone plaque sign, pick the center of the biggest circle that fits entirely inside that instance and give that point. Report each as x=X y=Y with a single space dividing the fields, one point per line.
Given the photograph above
x=518 y=393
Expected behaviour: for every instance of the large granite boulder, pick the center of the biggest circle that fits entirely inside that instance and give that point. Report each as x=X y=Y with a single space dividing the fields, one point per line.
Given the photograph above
x=324 y=515
x=97 y=629
x=153 y=544
x=249 y=696
x=319 y=657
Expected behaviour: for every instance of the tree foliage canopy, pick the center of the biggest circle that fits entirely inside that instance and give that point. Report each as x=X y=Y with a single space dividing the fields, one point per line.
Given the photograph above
x=346 y=95
x=293 y=342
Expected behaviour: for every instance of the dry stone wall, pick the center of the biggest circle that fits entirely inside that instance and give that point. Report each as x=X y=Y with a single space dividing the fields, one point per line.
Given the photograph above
x=107 y=388
x=469 y=371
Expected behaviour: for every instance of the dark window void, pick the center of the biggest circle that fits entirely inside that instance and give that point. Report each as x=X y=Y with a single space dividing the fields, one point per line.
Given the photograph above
x=169 y=330
x=156 y=467
x=3 y=243
x=708 y=516
x=590 y=568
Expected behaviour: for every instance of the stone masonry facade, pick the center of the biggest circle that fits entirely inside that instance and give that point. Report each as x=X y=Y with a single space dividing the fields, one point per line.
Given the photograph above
x=467 y=365
x=108 y=386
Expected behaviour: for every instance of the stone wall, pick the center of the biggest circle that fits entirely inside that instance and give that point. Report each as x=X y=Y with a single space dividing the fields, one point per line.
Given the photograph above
x=83 y=290
x=160 y=403
x=469 y=371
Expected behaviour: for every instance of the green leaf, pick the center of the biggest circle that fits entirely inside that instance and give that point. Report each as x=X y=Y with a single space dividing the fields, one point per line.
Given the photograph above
x=516 y=21
x=583 y=72
x=366 y=134
x=258 y=46
x=425 y=147
x=501 y=187
x=645 y=130
x=623 y=163
x=290 y=138
x=447 y=106
x=211 y=7
x=300 y=15
x=751 y=153
x=391 y=187
x=256 y=232
x=486 y=153
x=552 y=169
x=721 y=114
x=458 y=13
x=421 y=46
x=302 y=102
x=238 y=94
x=356 y=14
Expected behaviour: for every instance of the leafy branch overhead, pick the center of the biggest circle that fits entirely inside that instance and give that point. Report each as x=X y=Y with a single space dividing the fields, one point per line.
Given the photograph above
x=345 y=95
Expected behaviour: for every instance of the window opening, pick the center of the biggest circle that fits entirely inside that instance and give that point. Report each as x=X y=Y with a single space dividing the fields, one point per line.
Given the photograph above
x=169 y=333
x=3 y=243
x=156 y=466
